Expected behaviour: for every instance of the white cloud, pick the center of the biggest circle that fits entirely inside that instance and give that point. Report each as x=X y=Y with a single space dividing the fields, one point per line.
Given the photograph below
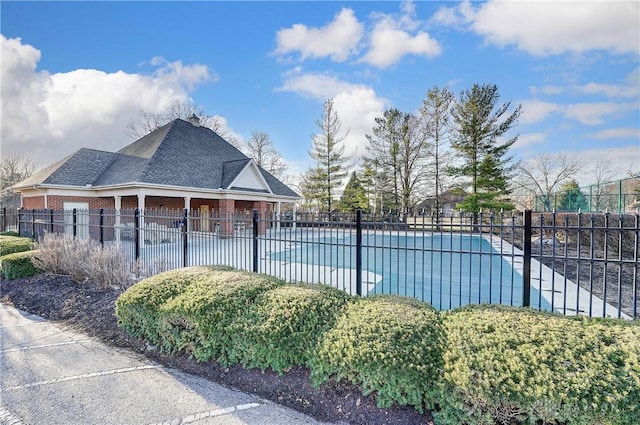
x=617 y=133
x=392 y=38
x=357 y=105
x=48 y=116
x=629 y=88
x=595 y=113
x=622 y=159
x=547 y=28
x=536 y=110
x=316 y=85
x=336 y=40
x=529 y=139
x=546 y=90
x=175 y=73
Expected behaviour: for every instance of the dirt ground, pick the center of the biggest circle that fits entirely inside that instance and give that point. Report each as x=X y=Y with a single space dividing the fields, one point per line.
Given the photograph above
x=91 y=311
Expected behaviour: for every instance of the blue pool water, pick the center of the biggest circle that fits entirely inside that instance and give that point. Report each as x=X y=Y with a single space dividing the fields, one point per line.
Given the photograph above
x=446 y=270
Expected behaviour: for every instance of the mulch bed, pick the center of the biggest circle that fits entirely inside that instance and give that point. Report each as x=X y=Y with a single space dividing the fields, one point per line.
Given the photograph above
x=84 y=308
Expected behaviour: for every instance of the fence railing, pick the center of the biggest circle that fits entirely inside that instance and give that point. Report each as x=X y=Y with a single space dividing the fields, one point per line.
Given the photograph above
x=570 y=263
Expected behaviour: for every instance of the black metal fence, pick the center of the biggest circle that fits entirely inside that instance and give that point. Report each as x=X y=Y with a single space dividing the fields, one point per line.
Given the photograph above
x=570 y=263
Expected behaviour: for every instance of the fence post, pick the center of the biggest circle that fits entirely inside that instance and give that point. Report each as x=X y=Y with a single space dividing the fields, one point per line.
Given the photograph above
x=51 y=220
x=359 y=252
x=21 y=210
x=102 y=226
x=255 y=241
x=4 y=219
x=526 y=261
x=74 y=222
x=136 y=232
x=185 y=238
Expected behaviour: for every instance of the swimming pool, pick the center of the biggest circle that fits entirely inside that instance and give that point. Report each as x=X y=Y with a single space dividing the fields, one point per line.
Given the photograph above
x=445 y=270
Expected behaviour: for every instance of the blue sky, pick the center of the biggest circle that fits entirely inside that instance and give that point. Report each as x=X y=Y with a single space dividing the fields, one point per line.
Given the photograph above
x=75 y=73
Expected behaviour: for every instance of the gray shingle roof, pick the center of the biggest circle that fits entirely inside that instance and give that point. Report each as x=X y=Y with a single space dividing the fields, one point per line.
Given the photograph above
x=176 y=154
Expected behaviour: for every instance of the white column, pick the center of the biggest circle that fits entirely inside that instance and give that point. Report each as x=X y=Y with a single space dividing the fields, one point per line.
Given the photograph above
x=278 y=215
x=295 y=209
x=142 y=225
x=187 y=203
x=118 y=205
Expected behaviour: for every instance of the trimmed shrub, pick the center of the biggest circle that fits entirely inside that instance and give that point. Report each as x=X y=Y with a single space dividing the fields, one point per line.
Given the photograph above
x=283 y=329
x=508 y=365
x=138 y=307
x=210 y=316
x=387 y=344
x=9 y=233
x=12 y=244
x=18 y=265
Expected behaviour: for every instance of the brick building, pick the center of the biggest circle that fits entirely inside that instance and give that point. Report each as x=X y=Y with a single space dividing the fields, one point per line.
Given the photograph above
x=180 y=165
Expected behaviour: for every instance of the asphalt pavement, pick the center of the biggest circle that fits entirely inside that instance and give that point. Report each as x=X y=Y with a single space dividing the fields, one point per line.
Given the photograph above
x=53 y=375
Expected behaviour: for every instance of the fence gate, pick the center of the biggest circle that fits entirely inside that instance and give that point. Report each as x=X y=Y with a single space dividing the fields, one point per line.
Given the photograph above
x=76 y=213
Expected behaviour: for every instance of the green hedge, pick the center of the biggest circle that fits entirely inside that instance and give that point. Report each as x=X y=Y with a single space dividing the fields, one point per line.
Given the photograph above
x=474 y=365
x=201 y=310
x=137 y=308
x=505 y=365
x=18 y=265
x=387 y=344
x=12 y=244
x=284 y=327
x=9 y=233
x=211 y=316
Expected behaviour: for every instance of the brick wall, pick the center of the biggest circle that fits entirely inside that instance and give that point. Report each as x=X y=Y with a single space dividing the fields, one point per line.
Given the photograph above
x=33 y=202
x=227 y=209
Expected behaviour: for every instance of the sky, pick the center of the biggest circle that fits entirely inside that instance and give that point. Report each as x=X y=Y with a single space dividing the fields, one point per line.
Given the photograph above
x=74 y=74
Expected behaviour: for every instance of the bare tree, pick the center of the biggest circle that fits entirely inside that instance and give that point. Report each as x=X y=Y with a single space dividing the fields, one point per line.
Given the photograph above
x=436 y=116
x=260 y=147
x=398 y=147
x=146 y=122
x=602 y=173
x=14 y=169
x=542 y=176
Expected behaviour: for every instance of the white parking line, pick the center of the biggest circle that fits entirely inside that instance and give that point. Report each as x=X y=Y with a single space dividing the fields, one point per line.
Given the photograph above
x=35 y=347
x=7 y=418
x=25 y=325
x=76 y=377
x=209 y=414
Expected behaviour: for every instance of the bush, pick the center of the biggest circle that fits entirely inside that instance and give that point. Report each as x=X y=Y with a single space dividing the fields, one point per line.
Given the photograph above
x=201 y=310
x=18 y=265
x=387 y=344
x=9 y=233
x=210 y=316
x=12 y=244
x=138 y=307
x=83 y=259
x=507 y=365
x=283 y=329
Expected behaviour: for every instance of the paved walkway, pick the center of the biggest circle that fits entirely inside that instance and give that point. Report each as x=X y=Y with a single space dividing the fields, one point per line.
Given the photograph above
x=51 y=375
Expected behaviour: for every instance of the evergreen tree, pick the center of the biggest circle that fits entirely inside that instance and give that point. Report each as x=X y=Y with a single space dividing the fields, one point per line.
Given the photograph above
x=354 y=196
x=478 y=128
x=325 y=177
x=572 y=198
